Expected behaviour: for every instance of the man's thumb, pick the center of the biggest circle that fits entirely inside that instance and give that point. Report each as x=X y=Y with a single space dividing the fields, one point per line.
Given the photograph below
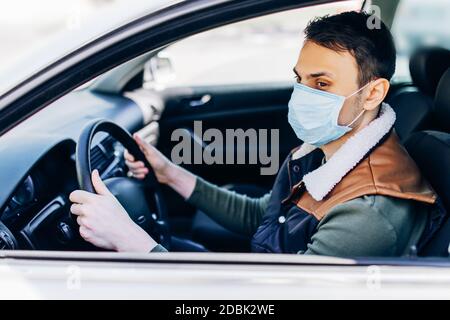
x=98 y=184
x=144 y=146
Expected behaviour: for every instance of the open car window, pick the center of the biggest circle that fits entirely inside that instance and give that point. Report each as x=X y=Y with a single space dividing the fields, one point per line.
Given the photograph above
x=257 y=50
x=419 y=24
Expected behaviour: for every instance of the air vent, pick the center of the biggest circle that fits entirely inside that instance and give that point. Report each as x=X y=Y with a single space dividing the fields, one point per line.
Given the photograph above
x=102 y=154
x=3 y=244
x=6 y=242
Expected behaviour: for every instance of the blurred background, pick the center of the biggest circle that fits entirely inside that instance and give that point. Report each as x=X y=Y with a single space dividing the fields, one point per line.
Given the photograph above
x=262 y=49
x=27 y=24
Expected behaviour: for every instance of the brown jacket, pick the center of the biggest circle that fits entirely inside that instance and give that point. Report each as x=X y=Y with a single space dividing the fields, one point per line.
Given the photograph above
x=388 y=170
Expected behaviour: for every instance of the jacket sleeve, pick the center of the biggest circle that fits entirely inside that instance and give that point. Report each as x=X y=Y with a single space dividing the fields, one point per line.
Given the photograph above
x=236 y=212
x=354 y=228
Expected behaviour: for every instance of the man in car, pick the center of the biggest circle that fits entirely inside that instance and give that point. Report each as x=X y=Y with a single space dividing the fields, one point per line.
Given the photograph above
x=350 y=189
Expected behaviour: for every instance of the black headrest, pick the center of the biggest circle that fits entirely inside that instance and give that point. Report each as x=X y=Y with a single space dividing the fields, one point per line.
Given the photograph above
x=442 y=101
x=431 y=151
x=427 y=66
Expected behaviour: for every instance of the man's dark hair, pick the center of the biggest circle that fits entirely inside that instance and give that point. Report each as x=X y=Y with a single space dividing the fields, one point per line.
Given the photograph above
x=373 y=48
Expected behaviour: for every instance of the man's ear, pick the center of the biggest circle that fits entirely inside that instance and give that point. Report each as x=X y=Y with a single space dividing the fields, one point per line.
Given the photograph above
x=377 y=91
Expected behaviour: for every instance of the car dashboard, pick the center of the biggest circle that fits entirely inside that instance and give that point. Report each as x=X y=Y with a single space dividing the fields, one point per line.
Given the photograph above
x=38 y=171
x=37 y=215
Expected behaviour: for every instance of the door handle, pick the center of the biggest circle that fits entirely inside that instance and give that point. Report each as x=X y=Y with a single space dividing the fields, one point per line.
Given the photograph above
x=198 y=102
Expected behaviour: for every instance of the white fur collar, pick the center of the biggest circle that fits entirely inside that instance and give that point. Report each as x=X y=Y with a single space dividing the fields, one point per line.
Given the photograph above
x=321 y=181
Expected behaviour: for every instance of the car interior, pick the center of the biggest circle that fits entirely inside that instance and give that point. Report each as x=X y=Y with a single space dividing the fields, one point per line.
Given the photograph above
x=34 y=205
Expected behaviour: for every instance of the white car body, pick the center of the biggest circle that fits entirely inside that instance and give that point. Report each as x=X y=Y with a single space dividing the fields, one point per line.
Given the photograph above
x=63 y=275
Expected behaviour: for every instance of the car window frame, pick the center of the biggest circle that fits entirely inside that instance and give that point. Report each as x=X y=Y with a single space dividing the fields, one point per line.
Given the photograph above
x=19 y=104
x=225 y=258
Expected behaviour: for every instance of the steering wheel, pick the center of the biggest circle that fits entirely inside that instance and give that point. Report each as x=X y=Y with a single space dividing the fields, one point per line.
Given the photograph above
x=141 y=199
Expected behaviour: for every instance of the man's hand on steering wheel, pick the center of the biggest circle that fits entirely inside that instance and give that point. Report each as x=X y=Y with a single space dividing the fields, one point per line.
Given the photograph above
x=105 y=223
x=162 y=167
x=101 y=212
x=166 y=172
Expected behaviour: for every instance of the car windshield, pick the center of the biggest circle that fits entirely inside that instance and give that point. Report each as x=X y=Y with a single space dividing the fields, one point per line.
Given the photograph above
x=29 y=28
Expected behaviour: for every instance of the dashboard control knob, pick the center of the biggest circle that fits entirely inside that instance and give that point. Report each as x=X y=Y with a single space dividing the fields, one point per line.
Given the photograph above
x=7 y=240
x=65 y=233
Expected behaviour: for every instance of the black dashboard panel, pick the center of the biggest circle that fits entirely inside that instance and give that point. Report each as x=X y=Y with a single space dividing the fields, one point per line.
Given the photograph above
x=24 y=145
x=51 y=175
x=37 y=168
x=38 y=210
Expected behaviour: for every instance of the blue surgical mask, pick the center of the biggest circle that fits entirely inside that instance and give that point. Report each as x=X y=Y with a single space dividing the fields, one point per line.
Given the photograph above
x=313 y=115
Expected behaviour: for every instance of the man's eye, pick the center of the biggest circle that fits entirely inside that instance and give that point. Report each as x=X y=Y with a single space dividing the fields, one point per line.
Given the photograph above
x=298 y=79
x=322 y=84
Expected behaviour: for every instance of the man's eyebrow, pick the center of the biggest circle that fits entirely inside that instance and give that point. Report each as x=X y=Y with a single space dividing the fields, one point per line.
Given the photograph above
x=315 y=74
x=320 y=74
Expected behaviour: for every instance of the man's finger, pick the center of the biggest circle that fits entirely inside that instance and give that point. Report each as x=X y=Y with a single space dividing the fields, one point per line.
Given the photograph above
x=98 y=184
x=76 y=209
x=80 y=221
x=128 y=156
x=139 y=176
x=85 y=233
x=144 y=146
x=139 y=171
x=81 y=196
x=135 y=165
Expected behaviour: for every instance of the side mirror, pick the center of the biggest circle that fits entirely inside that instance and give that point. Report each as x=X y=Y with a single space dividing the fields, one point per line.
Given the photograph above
x=158 y=71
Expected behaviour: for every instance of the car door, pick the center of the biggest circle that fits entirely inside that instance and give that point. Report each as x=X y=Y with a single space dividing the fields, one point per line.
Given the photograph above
x=259 y=108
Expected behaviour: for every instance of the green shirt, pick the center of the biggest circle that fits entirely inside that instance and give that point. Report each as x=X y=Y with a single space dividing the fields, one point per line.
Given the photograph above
x=367 y=226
